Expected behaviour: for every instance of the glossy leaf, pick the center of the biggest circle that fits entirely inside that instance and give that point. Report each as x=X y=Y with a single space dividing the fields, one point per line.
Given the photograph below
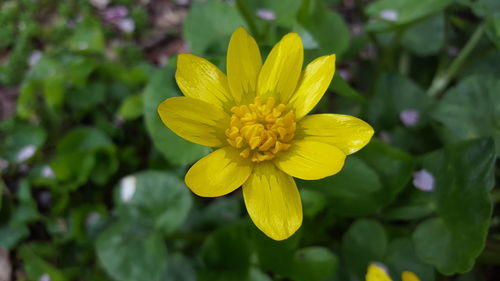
x=131 y=252
x=470 y=110
x=453 y=240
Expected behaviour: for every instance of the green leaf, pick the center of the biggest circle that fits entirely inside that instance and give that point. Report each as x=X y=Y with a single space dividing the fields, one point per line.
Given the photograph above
x=275 y=256
x=157 y=197
x=88 y=98
x=10 y=235
x=453 y=240
x=180 y=268
x=131 y=108
x=414 y=204
x=82 y=153
x=401 y=257
x=21 y=142
x=352 y=189
x=471 y=109
x=35 y=267
x=370 y=180
x=128 y=251
x=313 y=263
x=364 y=242
x=404 y=11
x=87 y=37
x=425 y=37
x=175 y=149
x=490 y=11
x=209 y=23
x=226 y=254
x=313 y=202
x=220 y=212
x=322 y=23
x=393 y=94
x=284 y=10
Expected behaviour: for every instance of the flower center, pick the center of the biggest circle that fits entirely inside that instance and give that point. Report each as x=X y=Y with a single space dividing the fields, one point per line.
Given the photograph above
x=261 y=130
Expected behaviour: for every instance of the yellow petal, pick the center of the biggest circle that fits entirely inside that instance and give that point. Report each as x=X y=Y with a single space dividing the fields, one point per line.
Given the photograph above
x=218 y=173
x=273 y=201
x=377 y=273
x=281 y=71
x=310 y=159
x=198 y=78
x=243 y=66
x=348 y=133
x=410 y=276
x=312 y=85
x=194 y=120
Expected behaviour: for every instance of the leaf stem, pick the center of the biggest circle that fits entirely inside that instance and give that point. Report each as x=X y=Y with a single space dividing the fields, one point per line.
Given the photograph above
x=442 y=79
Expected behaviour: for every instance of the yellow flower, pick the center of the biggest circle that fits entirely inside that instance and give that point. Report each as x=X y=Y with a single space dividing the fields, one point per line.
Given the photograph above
x=377 y=273
x=256 y=118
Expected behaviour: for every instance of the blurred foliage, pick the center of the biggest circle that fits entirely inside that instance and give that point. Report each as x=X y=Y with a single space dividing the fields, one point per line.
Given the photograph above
x=91 y=181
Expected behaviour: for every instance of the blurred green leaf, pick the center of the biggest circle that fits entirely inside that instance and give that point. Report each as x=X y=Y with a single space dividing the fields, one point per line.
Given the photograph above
x=157 y=197
x=275 y=256
x=471 y=109
x=393 y=94
x=180 y=268
x=490 y=11
x=131 y=108
x=208 y=23
x=35 y=267
x=284 y=12
x=453 y=240
x=360 y=249
x=226 y=254
x=175 y=149
x=352 y=189
x=21 y=142
x=313 y=264
x=88 y=97
x=82 y=153
x=129 y=251
x=370 y=180
x=220 y=212
x=414 y=204
x=313 y=202
x=387 y=14
x=401 y=257
x=426 y=37
x=10 y=235
x=327 y=27
x=87 y=37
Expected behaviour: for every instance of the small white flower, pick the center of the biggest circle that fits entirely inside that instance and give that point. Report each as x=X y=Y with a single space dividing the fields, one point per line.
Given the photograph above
x=127 y=188
x=409 y=117
x=44 y=277
x=47 y=172
x=423 y=180
x=35 y=57
x=126 y=25
x=25 y=153
x=266 y=14
x=390 y=15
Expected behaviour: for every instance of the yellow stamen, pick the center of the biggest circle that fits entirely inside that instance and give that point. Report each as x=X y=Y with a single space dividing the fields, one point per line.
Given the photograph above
x=261 y=129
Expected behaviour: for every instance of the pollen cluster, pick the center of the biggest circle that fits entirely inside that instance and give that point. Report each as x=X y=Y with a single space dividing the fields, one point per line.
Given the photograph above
x=261 y=130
